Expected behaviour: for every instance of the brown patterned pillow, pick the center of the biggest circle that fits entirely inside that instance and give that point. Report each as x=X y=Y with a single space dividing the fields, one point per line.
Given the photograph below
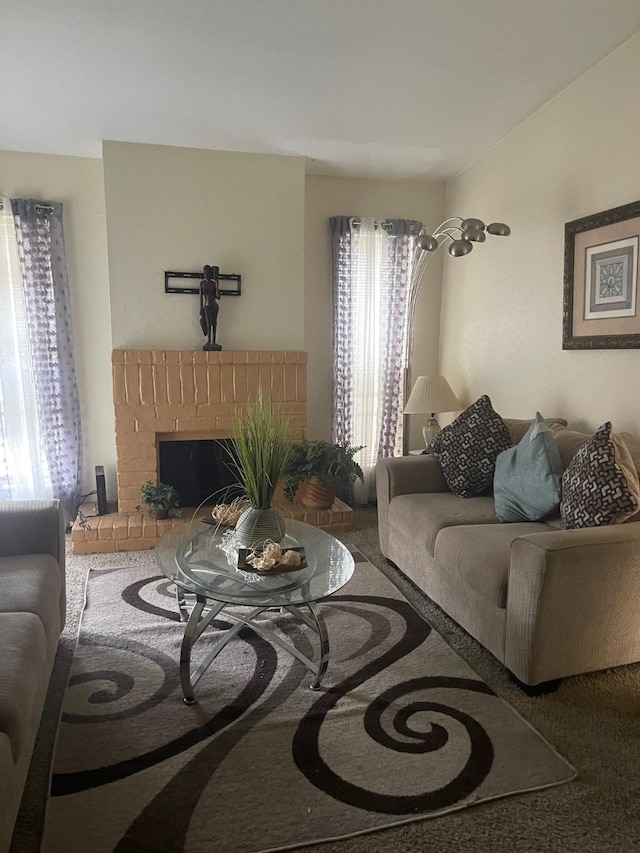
x=468 y=448
x=601 y=484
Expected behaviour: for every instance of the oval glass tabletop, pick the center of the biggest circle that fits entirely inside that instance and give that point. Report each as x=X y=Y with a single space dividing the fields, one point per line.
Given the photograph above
x=203 y=559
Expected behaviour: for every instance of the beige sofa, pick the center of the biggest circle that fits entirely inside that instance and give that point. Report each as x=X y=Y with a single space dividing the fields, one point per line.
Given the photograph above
x=547 y=602
x=32 y=613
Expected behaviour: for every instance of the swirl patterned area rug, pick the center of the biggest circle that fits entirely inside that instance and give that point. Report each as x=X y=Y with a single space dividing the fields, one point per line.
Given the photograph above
x=401 y=730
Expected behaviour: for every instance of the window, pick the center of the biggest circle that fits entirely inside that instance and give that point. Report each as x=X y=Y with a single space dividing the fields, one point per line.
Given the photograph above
x=372 y=280
x=24 y=472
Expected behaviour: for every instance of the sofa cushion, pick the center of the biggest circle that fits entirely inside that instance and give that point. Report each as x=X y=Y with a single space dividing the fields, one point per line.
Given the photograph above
x=31 y=583
x=479 y=555
x=468 y=447
x=421 y=516
x=601 y=484
x=24 y=671
x=568 y=442
x=632 y=443
x=527 y=480
x=6 y=767
x=11 y=783
x=517 y=427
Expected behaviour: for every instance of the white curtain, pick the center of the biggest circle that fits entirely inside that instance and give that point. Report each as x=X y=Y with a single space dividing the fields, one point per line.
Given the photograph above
x=24 y=473
x=372 y=266
x=370 y=280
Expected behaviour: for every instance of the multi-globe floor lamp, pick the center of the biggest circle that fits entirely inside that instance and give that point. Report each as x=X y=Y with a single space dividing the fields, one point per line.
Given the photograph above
x=459 y=235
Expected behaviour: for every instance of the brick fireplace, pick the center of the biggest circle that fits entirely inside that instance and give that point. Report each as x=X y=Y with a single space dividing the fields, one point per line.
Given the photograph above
x=164 y=395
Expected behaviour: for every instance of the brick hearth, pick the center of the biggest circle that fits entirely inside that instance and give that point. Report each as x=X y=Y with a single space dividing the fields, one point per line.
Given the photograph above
x=136 y=531
x=163 y=395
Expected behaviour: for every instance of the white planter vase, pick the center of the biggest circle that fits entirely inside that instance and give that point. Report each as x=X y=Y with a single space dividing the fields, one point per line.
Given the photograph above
x=256 y=525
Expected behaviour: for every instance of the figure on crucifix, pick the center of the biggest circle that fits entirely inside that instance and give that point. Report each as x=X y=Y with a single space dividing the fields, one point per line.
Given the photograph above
x=209 y=296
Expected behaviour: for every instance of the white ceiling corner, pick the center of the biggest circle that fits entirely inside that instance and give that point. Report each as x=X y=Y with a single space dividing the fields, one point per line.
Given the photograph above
x=363 y=88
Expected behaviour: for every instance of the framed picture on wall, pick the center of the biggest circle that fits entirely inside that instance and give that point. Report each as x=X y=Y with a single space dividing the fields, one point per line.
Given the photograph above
x=601 y=306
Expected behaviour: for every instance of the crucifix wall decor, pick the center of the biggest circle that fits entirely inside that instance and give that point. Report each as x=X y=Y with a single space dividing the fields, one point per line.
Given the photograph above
x=182 y=282
x=209 y=290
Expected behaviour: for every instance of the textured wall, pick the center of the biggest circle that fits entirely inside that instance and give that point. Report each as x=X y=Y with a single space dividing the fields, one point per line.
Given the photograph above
x=77 y=183
x=501 y=329
x=181 y=208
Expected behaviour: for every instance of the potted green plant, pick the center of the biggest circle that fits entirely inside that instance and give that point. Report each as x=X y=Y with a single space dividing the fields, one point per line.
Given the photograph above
x=262 y=450
x=316 y=468
x=161 y=499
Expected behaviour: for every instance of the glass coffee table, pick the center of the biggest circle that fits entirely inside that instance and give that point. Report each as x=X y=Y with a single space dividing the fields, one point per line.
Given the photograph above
x=202 y=561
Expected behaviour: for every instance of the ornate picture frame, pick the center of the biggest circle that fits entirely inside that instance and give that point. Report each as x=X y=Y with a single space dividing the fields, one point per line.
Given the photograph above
x=601 y=304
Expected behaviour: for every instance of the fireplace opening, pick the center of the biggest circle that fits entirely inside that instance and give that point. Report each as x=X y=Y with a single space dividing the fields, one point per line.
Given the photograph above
x=200 y=471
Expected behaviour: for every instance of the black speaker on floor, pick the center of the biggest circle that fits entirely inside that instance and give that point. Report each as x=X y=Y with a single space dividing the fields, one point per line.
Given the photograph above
x=101 y=492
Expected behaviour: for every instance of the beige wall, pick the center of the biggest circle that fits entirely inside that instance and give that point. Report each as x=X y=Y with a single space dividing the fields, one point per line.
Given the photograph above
x=167 y=208
x=501 y=330
x=77 y=183
x=327 y=197
x=181 y=208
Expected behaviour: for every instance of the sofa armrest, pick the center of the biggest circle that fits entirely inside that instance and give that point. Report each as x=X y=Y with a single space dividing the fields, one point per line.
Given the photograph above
x=35 y=527
x=32 y=527
x=404 y=475
x=573 y=600
x=408 y=475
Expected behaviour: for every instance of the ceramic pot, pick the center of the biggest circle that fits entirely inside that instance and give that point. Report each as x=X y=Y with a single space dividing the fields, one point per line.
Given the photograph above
x=256 y=525
x=317 y=494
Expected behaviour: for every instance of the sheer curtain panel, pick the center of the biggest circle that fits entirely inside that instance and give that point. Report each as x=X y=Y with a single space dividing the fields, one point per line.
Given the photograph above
x=372 y=270
x=24 y=472
x=45 y=293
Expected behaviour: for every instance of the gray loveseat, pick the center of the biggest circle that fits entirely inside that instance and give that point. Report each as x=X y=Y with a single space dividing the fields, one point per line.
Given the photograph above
x=32 y=613
x=547 y=602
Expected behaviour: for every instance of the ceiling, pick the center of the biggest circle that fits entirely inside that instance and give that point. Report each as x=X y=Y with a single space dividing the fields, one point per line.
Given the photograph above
x=365 y=88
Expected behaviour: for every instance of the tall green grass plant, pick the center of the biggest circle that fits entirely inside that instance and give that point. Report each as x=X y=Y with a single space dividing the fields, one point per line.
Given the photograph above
x=262 y=452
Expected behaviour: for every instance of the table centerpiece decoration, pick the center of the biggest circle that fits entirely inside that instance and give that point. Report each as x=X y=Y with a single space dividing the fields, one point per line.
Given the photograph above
x=262 y=450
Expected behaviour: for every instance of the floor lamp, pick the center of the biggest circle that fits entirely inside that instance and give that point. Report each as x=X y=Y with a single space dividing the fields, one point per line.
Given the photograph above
x=459 y=235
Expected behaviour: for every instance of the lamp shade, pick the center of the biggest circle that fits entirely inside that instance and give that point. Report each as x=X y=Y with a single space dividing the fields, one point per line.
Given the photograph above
x=431 y=394
x=460 y=248
x=499 y=229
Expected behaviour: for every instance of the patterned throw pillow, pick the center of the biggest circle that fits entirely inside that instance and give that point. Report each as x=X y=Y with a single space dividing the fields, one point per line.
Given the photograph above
x=601 y=485
x=468 y=448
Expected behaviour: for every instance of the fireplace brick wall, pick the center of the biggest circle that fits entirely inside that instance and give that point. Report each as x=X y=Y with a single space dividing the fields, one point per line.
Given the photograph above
x=161 y=395
x=180 y=394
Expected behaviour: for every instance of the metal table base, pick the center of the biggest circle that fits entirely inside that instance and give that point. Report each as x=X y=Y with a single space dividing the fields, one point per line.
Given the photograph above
x=204 y=611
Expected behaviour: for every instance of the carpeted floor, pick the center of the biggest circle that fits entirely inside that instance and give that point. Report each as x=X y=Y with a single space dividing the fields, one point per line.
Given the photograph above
x=592 y=720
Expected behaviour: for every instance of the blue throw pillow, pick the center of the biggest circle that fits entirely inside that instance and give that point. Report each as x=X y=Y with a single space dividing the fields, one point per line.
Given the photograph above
x=528 y=478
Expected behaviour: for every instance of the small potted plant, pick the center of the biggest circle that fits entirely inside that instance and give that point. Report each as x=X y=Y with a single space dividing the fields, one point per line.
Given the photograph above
x=161 y=500
x=315 y=470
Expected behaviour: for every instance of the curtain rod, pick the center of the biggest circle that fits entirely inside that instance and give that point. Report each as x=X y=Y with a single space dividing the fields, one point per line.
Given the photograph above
x=39 y=208
x=356 y=221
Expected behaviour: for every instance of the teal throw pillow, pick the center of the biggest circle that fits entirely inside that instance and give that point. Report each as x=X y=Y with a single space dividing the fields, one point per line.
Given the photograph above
x=528 y=478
